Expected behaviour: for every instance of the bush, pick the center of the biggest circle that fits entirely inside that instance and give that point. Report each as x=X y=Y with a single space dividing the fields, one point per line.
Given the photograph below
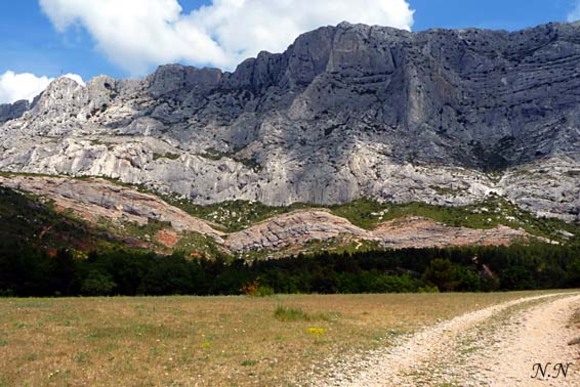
x=283 y=313
x=443 y=274
x=254 y=289
x=98 y=284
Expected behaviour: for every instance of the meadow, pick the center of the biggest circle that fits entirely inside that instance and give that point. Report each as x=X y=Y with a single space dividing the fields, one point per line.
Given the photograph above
x=207 y=341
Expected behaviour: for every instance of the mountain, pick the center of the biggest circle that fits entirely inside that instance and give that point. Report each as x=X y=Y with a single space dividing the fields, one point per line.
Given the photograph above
x=107 y=210
x=445 y=117
x=29 y=224
x=11 y=111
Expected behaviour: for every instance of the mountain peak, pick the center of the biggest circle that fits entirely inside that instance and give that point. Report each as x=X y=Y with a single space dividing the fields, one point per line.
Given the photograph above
x=346 y=112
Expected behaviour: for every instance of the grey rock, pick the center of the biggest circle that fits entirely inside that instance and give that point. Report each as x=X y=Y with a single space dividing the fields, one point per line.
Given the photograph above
x=294 y=229
x=12 y=111
x=96 y=200
x=440 y=116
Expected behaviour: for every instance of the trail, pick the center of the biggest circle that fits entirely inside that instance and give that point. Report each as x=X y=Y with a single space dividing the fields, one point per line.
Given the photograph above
x=497 y=346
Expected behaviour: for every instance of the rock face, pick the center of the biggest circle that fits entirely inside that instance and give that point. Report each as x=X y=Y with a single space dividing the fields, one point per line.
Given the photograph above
x=417 y=232
x=295 y=229
x=95 y=200
x=441 y=116
x=12 y=111
x=300 y=228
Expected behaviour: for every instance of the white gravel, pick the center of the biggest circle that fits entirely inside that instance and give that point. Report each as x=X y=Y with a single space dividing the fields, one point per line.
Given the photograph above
x=495 y=346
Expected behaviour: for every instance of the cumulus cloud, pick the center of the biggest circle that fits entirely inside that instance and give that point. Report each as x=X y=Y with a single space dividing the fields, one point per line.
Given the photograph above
x=14 y=87
x=140 y=34
x=75 y=77
x=574 y=15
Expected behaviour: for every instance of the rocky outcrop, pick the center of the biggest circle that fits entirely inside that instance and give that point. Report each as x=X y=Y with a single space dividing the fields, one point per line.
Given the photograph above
x=440 y=116
x=95 y=200
x=295 y=229
x=298 y=229
x=418 y=232
x=12 y=111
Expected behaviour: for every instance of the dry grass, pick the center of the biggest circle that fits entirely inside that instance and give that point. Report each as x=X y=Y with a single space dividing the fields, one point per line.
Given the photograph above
x=217 y=341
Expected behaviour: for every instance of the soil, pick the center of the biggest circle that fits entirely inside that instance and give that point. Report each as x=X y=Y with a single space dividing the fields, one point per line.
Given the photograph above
x=167 y=237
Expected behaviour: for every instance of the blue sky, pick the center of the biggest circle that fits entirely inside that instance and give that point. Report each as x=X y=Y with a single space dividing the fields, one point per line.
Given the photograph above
x=495 y=14
x=124 y=38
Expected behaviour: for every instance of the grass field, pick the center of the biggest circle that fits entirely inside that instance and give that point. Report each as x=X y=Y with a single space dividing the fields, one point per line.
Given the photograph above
x=213 y=341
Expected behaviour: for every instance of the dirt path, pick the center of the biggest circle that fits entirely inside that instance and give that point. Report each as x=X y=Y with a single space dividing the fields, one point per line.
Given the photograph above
x=496 y=346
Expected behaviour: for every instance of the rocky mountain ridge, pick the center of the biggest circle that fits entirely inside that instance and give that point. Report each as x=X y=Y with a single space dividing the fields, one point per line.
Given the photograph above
x=441 y=116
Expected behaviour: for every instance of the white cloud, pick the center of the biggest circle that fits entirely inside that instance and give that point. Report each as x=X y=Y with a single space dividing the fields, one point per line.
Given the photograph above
x=75 y=77
x=14 y=87
x=574 y=15
x=140 y=34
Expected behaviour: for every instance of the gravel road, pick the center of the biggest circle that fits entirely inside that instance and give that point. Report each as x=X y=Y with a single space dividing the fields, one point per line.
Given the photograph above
x=517 y=343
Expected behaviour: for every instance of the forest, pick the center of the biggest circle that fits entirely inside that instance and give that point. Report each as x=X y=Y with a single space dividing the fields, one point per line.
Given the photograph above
x=27 y=272
x=47 y=254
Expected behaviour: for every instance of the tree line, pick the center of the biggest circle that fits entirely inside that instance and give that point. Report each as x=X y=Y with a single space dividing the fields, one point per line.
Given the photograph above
x=26 y=272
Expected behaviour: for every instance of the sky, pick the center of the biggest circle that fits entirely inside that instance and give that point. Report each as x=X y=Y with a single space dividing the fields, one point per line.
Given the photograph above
x=41 y=40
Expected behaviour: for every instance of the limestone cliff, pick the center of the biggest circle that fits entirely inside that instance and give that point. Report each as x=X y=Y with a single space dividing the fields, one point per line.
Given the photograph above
x=441 y=116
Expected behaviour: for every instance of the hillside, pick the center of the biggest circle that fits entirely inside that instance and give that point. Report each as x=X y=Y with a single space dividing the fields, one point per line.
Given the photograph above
x=94 y=237
x=251 y=230
x=444 y=117
x=33 y=224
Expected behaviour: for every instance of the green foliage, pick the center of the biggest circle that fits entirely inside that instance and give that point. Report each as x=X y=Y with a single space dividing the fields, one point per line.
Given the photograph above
x=29 y=272
x=110 y=146
x=212 y=154
x=285 y=313
x=30 y=222
x=43 y=253
x=248 y=363
x=97 y=283
x=168 y=275
x=264 y=291
x=250 y=164
x=444 y=191
x=169 y=156
x=443 y=274
x=63 y=274
x=490 y=213
x=192 y=243
x=403 y=283
x=152 y=227
x=573 y=270
x=255 y=289
x=428 y=289
x=234 y=215
x=363 y=212
x=237 y=215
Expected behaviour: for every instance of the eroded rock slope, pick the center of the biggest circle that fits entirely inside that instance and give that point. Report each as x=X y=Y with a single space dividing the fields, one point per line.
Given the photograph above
x=95 y=200
x=441 y=116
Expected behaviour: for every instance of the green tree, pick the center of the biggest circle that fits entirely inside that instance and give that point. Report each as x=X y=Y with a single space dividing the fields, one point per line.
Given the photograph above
x=443 y=274
x=98 y=283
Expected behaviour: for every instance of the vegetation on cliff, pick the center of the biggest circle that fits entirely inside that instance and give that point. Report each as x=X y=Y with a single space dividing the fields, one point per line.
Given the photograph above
x=47 y=253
